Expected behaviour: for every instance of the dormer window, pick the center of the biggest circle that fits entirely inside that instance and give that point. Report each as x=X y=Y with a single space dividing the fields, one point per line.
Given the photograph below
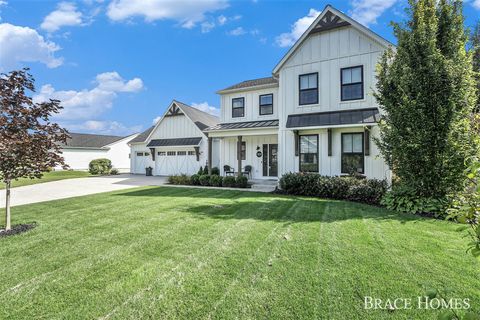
x=352 y=83
x=266 y=104
x=238 y=107
x=308 y=84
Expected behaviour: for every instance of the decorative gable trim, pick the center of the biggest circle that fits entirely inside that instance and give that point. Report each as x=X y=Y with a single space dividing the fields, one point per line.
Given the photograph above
x=173 y=111
x=328 y=22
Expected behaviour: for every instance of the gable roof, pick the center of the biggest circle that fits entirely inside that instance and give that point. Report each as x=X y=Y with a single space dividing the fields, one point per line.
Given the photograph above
x=142 y=136
x=200 y=118
x=329 y=19
x=267 y=81
x=86 y=140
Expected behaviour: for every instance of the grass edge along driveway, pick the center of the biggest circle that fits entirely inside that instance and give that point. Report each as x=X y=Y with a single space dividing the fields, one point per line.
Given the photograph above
x=48 y=177
x=163 y=252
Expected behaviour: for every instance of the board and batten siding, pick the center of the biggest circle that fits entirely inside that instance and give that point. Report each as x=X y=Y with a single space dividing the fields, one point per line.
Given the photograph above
x=252 y=105
x=176 y=127
x=327 y=53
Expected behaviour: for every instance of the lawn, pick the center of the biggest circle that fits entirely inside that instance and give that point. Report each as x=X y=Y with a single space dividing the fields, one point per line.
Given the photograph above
x=49 y=176
x=164 y=253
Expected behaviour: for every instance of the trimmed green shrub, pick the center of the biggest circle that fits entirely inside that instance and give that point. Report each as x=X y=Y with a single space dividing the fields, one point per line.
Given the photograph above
x=216 y=180
x=241 y=182
x=179 y=180
x=204 y=180
x=200 y=171
x=195 y=180
x=350 y=188
x=229 y=181
x=114 y=172
x=215 y=171
x=100 y=166
x=205 y=169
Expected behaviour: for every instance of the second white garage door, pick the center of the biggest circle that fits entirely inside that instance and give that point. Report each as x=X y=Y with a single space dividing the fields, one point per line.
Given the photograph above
x=174 y=162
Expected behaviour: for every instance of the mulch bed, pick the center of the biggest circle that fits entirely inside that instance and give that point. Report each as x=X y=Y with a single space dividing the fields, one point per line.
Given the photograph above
x=17 y=229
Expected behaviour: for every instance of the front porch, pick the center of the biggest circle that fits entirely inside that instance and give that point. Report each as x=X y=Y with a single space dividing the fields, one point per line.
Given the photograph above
x=252 y=151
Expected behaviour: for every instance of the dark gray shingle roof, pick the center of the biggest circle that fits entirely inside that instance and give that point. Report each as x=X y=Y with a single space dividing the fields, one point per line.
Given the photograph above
x=244 y=125
x=252 y=83
x=175 y=142
x=85 y=140
x=333 y=118
x=142 y=136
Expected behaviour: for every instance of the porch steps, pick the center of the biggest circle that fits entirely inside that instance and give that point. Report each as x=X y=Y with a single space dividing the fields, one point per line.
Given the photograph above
x=263 y=185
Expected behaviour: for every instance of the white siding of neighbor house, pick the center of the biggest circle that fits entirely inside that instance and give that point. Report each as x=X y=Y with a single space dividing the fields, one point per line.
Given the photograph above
x=176 y=127
x=327 y=53
x=252 y=108
x=117 y=152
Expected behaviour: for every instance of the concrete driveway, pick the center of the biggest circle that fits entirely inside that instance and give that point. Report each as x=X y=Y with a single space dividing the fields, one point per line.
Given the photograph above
x=77 y=187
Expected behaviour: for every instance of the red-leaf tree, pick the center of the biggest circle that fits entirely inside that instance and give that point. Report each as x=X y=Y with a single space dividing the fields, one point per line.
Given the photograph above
x=29 y=142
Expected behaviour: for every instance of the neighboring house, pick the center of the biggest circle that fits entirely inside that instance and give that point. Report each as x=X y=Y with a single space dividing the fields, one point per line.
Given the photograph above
x=176 y=144
x=316 y=114
x=81 y=148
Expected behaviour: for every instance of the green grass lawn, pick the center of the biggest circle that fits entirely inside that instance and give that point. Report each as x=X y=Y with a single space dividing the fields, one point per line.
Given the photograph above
x=49 y=176
x=164 y=252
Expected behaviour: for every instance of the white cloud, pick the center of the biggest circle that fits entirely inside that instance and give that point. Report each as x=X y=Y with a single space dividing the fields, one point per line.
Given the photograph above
x=237 y=32
x=222 y=20
x=66 y=14
x=156 y=119
x=476 y=4
x=207 y=26
x=89 y=104
x=205 y=107
x=23 y=44
x=367 y=11
x=102 y=127
x=298 y=28
x=187 y=12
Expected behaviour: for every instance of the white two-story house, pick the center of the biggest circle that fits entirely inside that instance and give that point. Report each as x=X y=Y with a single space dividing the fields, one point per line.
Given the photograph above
x=315 y=114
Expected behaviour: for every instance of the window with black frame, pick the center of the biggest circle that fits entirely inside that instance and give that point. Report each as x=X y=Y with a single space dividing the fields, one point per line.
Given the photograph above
x=352 y=83
x=308 y=153
x=266 y=104
x=308 y=84
x=238 y=107
x=352 y=153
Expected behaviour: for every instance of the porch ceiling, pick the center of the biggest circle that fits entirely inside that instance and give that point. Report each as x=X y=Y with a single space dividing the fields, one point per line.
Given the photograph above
x=334 y=118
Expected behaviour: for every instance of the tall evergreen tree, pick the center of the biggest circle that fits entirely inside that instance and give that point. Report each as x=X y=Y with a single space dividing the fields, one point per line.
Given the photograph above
x=427 y=92
x=475 y=42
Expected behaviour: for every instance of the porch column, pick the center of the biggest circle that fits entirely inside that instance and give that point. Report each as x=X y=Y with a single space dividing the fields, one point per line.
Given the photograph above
x=239 y=155
x=210 y=155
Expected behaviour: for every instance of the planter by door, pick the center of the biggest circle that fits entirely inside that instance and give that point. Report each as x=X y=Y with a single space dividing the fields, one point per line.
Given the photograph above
x=269 y=160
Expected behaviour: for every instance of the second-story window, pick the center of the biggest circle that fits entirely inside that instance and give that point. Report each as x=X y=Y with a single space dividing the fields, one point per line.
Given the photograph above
x=308 y=88
x=238 y=107
x=352 y=83
x=266 y=104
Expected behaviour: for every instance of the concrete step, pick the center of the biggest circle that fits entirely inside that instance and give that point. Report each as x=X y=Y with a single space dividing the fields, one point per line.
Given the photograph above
x=264 y=185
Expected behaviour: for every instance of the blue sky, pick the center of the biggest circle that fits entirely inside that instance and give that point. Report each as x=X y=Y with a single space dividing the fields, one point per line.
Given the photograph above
x=117 y=64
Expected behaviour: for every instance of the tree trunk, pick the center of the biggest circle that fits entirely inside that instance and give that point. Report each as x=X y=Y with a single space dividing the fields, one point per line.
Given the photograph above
x=7 y=207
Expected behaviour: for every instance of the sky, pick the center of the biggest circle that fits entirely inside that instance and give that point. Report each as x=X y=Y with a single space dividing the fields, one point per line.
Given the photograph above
x=117 y=64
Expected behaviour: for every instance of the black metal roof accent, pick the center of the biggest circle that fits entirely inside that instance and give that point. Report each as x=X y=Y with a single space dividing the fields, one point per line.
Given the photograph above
x=333 y=118
x=252 y=83
x=244 y=125
x=174 y=142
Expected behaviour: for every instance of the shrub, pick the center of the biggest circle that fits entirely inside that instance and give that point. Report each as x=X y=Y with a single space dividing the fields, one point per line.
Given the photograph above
x=204 y=180
x=215 y=171
x=351 y=188
x=114 y=172
x=200 y=171
x=195 y=180
x=205 y=170
x=216 y=180
x=179 y=180
x=241 y=182
x=407 y=200
x=100 y=166
x=229 y=181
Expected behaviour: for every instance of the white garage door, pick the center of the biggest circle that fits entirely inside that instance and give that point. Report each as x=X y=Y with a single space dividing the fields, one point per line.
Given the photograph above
x=172 y=162
x=141 y=162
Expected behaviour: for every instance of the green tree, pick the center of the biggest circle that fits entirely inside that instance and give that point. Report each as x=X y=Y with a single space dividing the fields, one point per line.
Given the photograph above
x=426 y=89
x=475 y=43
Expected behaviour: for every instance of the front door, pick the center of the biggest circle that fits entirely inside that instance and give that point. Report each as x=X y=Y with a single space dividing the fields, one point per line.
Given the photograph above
x=270 y=160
